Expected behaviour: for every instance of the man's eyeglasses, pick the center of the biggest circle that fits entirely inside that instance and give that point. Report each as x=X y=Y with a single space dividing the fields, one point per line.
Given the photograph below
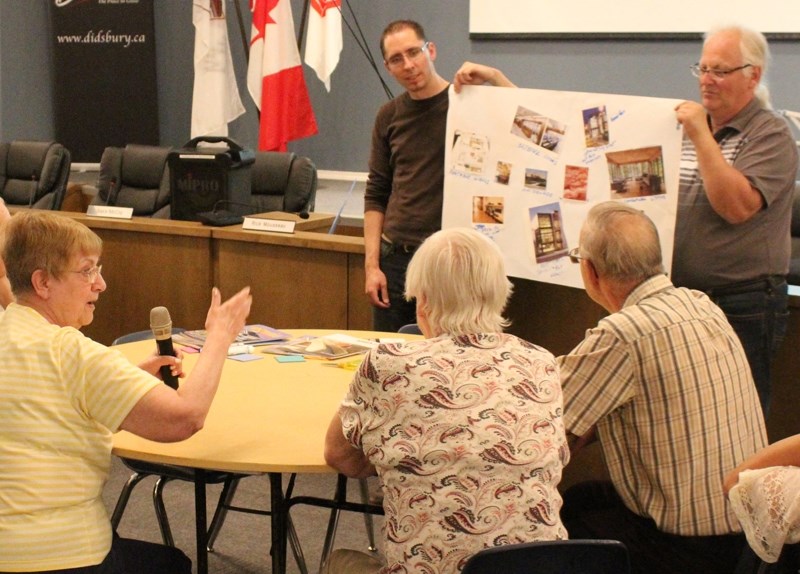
x=698 y=71
x=411 y=54
x=575 y=255
x=91 y=274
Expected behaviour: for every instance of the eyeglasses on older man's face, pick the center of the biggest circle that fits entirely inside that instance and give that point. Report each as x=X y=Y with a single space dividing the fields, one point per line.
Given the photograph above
x=699 y=71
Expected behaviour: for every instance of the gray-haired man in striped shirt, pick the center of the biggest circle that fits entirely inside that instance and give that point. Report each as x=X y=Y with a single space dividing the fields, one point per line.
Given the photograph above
x=663 y=383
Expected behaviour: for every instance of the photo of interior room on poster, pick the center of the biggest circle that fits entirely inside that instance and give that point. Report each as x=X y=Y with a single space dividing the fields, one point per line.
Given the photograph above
x=487 y=209
x=636 y=172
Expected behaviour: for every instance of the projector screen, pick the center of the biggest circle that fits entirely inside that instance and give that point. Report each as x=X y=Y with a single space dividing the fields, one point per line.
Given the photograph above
x=636 y=19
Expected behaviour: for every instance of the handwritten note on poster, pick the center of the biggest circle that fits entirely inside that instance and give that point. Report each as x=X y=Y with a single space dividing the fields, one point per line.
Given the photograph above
x=525 y=166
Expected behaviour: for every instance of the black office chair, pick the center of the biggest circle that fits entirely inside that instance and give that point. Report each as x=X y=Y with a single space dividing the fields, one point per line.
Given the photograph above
x=135 y=176
x=34 y=174
x=552 y=556
x=283 y=181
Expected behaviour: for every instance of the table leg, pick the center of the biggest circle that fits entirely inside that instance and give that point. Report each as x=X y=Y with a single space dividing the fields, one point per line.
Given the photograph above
x=278 y=520
x=201 y=526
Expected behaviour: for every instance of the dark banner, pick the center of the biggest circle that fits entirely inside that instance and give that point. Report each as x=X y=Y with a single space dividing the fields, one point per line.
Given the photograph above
x=105 y=89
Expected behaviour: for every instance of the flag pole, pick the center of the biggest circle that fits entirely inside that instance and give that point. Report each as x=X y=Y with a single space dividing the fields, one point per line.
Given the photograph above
x=303 y=24
x=242 y=31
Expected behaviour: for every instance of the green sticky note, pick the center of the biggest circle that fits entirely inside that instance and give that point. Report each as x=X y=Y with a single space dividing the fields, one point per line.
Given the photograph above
x=290 y=358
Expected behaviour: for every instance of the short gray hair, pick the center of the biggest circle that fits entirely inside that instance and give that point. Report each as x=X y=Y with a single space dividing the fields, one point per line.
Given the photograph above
x=461 y=276
x=755 y=51
x=621 y=242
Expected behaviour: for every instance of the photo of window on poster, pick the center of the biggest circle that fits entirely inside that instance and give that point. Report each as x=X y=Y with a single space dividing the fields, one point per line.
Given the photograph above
x=595 y=127
x=546 y=226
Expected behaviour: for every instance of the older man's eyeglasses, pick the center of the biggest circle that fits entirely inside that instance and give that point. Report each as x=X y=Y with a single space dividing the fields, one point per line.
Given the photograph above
x=411 y=54
x=575 y=255
x=699 y=71
x=91 y=274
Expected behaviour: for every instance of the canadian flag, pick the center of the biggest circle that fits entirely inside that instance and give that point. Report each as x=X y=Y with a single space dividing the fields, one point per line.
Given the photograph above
x=215 y=99
x=324 y=38
x=275 y=77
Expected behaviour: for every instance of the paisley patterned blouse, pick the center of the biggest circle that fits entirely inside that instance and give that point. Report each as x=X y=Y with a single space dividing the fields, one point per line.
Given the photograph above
x=467 y=436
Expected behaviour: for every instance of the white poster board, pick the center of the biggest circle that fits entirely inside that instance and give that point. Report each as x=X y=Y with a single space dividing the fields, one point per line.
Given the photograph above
x=525 y=166
x=629 y=18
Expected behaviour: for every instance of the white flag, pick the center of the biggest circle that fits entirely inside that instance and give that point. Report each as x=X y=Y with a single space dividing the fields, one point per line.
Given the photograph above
x=215 y=100
x=324 y=38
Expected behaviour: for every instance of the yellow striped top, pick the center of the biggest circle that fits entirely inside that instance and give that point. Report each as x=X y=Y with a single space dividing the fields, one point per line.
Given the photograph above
x=62 y=396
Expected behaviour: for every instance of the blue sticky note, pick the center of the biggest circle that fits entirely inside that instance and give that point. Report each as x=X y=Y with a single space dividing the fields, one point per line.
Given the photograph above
x=244 y=357
x=290 y=358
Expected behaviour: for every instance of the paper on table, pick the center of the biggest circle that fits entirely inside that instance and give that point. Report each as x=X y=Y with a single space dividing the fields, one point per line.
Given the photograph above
x=328 y=347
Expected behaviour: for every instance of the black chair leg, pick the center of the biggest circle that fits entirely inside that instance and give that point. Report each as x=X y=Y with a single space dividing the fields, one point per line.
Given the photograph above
x=161 y=512
x=363 y=486
x=294 y=544
x=333 y=522
x=124 y=496
x=225 y=500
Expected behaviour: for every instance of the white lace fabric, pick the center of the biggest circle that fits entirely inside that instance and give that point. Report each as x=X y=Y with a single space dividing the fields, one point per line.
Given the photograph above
x=767 y=503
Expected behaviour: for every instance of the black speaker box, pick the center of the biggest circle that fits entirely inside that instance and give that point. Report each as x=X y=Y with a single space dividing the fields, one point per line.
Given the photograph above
x=205 y=179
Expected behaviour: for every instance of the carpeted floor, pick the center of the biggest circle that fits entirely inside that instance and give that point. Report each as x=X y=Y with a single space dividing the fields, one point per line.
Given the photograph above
x=243 y=544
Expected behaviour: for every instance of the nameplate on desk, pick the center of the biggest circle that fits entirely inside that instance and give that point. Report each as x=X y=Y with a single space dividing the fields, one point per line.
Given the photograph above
x=110 y=211
x=263 y=224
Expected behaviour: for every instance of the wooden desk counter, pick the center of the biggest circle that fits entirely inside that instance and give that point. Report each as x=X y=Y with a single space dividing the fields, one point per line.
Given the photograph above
x=305 y=278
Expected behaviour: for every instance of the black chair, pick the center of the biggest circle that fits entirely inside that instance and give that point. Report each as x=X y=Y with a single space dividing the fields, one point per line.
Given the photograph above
x=283 y=181
x=794 y=262
x=788 y=563
x=554 y=557
x=135 y=176
x=366 y=506
x=34 y=174
x=410 y=329
x=168 y=472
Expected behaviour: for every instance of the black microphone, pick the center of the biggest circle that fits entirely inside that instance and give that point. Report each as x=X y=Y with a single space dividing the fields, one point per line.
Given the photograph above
x=161 y=324
x=220 y=218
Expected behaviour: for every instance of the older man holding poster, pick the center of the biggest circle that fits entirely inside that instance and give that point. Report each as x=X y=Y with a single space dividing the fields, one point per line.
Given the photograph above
x=738 y=169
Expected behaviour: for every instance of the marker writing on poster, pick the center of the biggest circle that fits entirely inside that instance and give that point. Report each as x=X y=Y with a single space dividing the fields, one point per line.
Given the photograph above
x=468 y=176
x=537 y=152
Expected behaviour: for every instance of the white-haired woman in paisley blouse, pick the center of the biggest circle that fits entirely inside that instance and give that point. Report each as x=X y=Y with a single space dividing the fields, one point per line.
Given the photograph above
x=464 y=428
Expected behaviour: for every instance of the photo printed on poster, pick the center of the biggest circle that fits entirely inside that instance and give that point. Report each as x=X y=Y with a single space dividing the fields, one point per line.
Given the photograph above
x=524 y=167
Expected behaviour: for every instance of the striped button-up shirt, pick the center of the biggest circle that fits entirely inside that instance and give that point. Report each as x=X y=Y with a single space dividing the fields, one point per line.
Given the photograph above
x=667 y=384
